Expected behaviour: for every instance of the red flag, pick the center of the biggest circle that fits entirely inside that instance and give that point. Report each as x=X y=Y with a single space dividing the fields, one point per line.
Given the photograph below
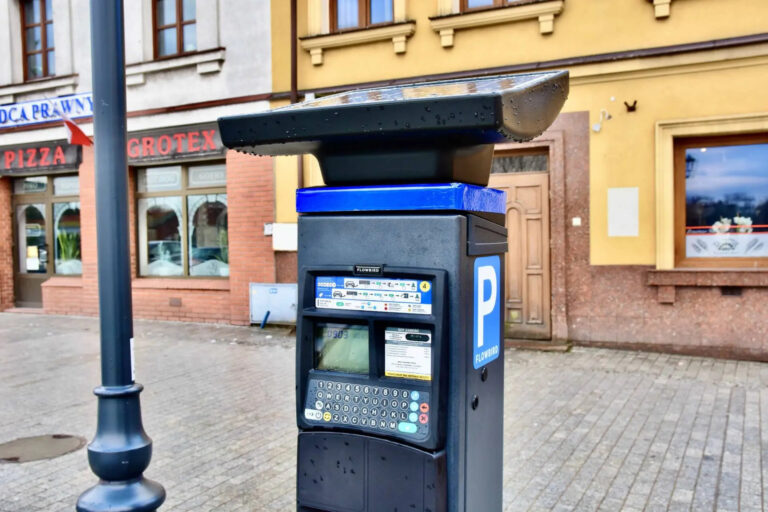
x=74 y=134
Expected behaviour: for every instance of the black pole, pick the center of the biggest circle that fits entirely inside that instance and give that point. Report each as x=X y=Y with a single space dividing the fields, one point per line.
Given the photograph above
x=121 y=450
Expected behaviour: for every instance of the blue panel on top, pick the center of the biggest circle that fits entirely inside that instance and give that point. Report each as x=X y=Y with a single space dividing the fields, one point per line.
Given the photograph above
x=386 y=198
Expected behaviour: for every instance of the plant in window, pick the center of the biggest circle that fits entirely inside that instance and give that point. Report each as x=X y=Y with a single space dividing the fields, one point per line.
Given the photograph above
x=722 y=226
x=69 y=246
x=744 y=224
x=223 y=255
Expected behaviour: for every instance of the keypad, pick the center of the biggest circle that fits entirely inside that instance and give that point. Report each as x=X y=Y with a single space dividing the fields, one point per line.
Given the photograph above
x=380 y=409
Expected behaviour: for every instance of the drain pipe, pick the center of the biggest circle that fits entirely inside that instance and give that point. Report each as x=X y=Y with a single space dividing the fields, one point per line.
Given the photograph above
x=295 y=80
x=121 y=450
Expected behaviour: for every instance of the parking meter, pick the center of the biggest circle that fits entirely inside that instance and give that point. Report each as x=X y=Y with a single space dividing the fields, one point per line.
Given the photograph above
x=399 y=355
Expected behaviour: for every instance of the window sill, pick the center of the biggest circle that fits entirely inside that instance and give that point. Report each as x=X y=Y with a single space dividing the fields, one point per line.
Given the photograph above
x=752 y=278
x=397 y=32
x=64 y=282
x=59 y=85
x=207 y=62
x=181 y=283
x=544 y=11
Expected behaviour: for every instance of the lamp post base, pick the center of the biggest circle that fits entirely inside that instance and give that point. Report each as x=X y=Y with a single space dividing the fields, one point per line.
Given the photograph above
x=139 y=495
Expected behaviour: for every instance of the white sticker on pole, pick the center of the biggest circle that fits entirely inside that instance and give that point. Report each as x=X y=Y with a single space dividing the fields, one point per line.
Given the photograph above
x=487 y=311
x=408 y=353
x=133 y=364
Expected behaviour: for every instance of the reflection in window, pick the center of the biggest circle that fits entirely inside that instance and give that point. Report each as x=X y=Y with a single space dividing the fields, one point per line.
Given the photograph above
x=208 y=236
x=67 y=238
x=350 y=14
x=37 y=25
x=520 y=163
x=30 y=185
x=175 y=34
x=726 y=201
x=161 y=252
x=33 y=250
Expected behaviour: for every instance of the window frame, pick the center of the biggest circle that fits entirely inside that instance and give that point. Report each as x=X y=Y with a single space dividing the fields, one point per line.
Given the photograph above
x=363 y=17
x=178 y=25
x=183 y=192
x=681 y=144
x=44 y=49
x=48 y=199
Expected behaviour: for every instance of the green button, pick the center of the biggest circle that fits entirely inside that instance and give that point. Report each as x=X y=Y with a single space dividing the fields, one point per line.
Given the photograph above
x=408 y=428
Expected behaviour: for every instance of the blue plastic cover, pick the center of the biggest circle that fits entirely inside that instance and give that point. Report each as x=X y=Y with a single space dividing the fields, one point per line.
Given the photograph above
x=387 y=198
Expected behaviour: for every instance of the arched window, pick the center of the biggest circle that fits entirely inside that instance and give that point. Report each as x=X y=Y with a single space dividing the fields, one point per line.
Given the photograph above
x=208 y=235
x=67 y=238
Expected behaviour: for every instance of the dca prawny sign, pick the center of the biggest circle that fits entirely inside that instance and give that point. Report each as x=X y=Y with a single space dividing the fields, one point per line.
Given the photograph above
x=182 y=143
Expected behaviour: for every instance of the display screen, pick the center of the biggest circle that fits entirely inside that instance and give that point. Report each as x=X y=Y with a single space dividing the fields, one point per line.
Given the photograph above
x=341 y=347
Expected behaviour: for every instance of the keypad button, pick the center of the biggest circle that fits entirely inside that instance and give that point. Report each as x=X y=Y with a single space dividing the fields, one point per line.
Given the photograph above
x=414 y=395
x=348 y=388
x=357 y=388
x=345 y=408
x=403 y=416
x=375 y=391
x=413 y=417
x=392 y=425
x=345 y=419
x=337 y=396
x=318 y=405
x=374 y=412
x=408 y=428
x=328 y=396
x=338 y=386
x=366 y=400
x=354 y=420
x=364 y=410
x=423 y=418
x=384 y=402
x=414 y=406
x=375 y=401
x=336 y=407
x=383 y=423
x=393 y=415
x=366 y=389
x=403 y=404
x=320 y=384
x=385 y=392
x=347 y=398
x=336 y=418
x=356 y=399
x=355 y=409
x=319 y=394
x=327 y=416
x=328 y=406
x=383 y=413
x=364 y=421
x=424 y=407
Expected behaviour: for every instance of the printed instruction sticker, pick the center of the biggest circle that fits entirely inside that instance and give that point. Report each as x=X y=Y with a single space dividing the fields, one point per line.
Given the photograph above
x=133 y=364
x=409 y=296
x=408 y=353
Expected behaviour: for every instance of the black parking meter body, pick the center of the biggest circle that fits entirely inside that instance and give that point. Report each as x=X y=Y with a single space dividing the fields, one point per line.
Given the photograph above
x=399 y=356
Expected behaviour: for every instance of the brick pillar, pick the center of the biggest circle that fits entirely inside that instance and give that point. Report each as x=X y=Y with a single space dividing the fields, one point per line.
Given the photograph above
x=90 y=296
x=251 y=204
x=6 y=245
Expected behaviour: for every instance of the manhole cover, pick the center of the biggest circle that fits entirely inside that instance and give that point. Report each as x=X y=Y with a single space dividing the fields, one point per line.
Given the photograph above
x=28 y=449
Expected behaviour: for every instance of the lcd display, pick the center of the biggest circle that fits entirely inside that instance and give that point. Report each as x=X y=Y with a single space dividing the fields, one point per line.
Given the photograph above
x=341 y=348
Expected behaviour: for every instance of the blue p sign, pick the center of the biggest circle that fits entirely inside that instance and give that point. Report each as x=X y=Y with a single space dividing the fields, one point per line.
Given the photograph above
x=487 y=336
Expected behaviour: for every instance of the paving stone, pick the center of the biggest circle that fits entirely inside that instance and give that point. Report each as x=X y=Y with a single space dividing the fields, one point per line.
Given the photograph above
x=593 y=429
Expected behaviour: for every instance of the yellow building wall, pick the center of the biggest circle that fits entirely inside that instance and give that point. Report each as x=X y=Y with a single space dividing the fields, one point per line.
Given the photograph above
x=622 y=154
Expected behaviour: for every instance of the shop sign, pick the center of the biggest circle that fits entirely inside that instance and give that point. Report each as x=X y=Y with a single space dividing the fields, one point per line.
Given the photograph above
x=182 y=143
x=39 y=158
x=46 y=110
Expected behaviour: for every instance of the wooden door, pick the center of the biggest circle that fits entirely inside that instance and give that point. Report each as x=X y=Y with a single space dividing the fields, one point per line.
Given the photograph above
x=528 y=294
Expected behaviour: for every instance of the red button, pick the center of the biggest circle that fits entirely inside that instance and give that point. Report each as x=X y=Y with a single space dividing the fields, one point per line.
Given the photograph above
x=424 y=407
x=423 y=418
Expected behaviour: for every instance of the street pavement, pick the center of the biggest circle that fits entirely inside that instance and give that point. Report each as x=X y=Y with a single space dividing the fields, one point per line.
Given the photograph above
x=593 y=429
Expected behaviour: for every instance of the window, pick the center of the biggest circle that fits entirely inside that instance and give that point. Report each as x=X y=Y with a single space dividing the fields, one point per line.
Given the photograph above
x=37 y=199
x=721 y=201
x=175 y=27
x=37 y=39
x=519 y=162
x=182 y=221
x=470 y=5
x=352 y=14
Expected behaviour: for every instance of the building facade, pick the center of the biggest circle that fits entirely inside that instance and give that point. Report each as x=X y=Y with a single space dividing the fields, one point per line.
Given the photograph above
x=197 y=211
x=640 y=218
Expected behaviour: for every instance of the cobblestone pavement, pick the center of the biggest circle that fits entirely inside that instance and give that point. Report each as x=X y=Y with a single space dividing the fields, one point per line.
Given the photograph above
x=589 y=430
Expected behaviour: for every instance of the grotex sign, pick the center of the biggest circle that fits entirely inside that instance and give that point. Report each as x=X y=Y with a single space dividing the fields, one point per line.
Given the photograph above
x=46 y=110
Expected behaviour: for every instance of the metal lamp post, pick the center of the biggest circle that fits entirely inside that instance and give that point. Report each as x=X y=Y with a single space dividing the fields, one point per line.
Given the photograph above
x=121 y=450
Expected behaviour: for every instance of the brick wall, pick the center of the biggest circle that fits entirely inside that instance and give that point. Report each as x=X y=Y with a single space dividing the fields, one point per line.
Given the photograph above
x=250 y=192
x=6 y=245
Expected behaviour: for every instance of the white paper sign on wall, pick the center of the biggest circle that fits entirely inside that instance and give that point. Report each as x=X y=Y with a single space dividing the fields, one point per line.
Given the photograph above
x=623 y=212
